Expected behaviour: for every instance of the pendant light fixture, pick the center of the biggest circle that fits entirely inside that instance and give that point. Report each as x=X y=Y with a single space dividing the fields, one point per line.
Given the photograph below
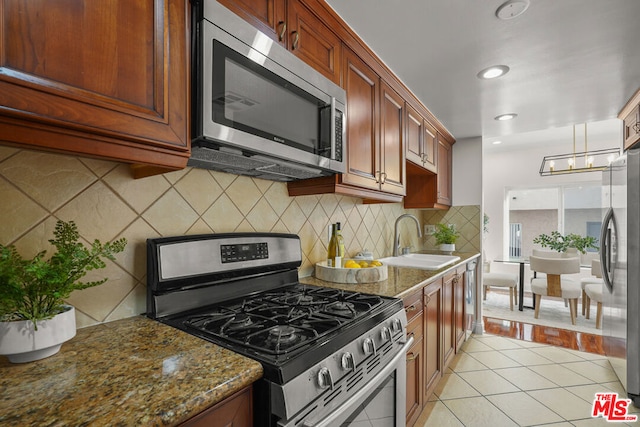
x=576 y=162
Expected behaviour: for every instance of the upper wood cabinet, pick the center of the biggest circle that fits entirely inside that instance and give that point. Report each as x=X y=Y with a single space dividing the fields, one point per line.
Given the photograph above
x=420 y=139
x=429 y=190
x=630 y=116
x=294 y=25
x=444 y=176
x=104 y=79
x=312 y=41
x=362 y=85
x=269 y=16
x=392 y=156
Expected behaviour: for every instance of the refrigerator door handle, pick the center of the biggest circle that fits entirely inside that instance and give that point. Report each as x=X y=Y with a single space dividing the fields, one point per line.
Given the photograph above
x=605 y=248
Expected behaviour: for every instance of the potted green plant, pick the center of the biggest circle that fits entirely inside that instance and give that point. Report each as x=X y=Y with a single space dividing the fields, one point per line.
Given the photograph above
x=34 y=320
x=446 y=236
x=560 y=243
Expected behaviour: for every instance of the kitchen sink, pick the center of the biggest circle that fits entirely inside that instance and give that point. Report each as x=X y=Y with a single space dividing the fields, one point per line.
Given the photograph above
x=421 y=261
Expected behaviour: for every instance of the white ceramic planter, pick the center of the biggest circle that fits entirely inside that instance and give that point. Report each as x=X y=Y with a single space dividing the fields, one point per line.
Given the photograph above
x=21 y=343
x=448 y=247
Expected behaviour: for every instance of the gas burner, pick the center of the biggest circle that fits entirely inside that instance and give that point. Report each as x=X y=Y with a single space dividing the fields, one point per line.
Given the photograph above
x=239 y=321
x=341 y=308
x=283 y=334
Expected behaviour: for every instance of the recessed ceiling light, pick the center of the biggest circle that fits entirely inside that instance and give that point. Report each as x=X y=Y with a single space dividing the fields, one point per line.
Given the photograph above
x=496 y=142
x=508 y=116
x=493 y=72
x=512 y=8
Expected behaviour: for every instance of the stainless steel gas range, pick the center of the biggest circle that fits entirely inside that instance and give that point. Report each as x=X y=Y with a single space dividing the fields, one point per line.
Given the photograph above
x=330 y=357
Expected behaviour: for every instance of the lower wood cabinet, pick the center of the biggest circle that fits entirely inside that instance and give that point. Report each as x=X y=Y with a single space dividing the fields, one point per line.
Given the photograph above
x=234 y=411
x=433 y=331
x=415 y=357
x=459 y=309
x=437 y=321
x=448 y=319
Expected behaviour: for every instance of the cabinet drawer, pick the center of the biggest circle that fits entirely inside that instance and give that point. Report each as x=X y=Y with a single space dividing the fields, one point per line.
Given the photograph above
x=413 y=306
x=415 y=327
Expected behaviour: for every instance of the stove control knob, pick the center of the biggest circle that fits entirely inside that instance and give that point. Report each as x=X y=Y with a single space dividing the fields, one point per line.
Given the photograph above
x=369 y=346
x=348 y=362
x=396 y=325
x=324 y=378
x=385 y=334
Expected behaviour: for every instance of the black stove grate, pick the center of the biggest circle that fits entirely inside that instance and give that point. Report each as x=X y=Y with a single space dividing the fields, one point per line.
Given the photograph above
x=284 y=321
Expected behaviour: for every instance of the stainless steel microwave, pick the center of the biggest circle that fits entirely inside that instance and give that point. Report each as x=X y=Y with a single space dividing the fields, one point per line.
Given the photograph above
x=259 y=110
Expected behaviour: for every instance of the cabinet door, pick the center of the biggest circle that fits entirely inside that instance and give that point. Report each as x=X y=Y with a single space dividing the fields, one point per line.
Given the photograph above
x=414 y=136
x=430 y=158
x=459 y=308
x=234 y=411
x=448 y=319
x=362 y=87
x=392 y=158
x=432 y=336
x=445 y=160
x=631 y=129
x=269 y=16
x=312 y=41
x=415 y=363
x=105 y=79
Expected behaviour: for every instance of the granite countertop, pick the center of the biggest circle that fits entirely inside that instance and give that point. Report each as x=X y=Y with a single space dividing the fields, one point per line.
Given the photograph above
x=134 y=371
x=402 y=281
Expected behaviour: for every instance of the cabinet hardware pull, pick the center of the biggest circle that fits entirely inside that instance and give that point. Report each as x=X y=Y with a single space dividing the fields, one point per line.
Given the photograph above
x=428 y=298
x=411 y=308
x=283 y=30
x=378 y=176
x=383 y=177
x=411 y=356
x=296 y=39
x=636 y=127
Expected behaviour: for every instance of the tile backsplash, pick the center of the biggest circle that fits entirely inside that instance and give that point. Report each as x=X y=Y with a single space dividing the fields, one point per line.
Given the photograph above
x=106 y=203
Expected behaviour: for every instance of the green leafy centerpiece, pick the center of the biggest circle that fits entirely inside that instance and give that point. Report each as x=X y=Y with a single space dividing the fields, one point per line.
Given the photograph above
x=32 y=291
x=560 y=243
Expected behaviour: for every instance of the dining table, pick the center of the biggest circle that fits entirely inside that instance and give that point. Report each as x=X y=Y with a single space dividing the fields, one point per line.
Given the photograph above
x=522 y=261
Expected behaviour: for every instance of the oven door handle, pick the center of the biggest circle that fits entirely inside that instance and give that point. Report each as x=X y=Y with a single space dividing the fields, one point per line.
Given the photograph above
x=386 y=371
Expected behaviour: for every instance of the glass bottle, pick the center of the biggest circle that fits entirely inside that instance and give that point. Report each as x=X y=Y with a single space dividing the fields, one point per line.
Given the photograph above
x=340 y=241
x=333 y=249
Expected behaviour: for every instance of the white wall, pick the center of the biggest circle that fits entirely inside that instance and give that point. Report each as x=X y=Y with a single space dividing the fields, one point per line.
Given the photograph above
x=467 y=172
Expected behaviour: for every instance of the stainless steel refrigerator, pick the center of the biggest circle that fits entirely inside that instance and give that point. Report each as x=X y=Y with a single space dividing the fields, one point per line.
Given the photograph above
x=620 y=260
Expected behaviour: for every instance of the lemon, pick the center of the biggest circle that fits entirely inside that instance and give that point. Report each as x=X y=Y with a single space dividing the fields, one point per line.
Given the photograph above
x=351 y=264
x=375 y=263
x=363 y=264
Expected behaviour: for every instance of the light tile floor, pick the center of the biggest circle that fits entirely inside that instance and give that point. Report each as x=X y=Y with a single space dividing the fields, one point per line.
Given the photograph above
x=497 y=381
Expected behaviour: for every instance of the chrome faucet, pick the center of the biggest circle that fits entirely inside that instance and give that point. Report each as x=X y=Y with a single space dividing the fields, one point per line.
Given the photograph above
x=396 y=236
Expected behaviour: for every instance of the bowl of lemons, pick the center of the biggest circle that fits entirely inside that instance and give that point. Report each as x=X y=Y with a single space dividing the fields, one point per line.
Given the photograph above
x=353 y=271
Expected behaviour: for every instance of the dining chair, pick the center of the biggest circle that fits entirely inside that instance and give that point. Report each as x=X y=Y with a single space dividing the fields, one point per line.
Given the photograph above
x=595 y=279
x=553 y=284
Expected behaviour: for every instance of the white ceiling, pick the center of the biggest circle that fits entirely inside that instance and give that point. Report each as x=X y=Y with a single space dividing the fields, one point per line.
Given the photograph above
x=571 y=61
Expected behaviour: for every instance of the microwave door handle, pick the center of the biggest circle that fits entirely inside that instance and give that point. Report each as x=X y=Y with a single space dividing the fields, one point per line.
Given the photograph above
x=333 y=128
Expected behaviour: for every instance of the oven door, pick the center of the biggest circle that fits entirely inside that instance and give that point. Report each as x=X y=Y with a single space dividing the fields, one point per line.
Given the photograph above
x=380 y=402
